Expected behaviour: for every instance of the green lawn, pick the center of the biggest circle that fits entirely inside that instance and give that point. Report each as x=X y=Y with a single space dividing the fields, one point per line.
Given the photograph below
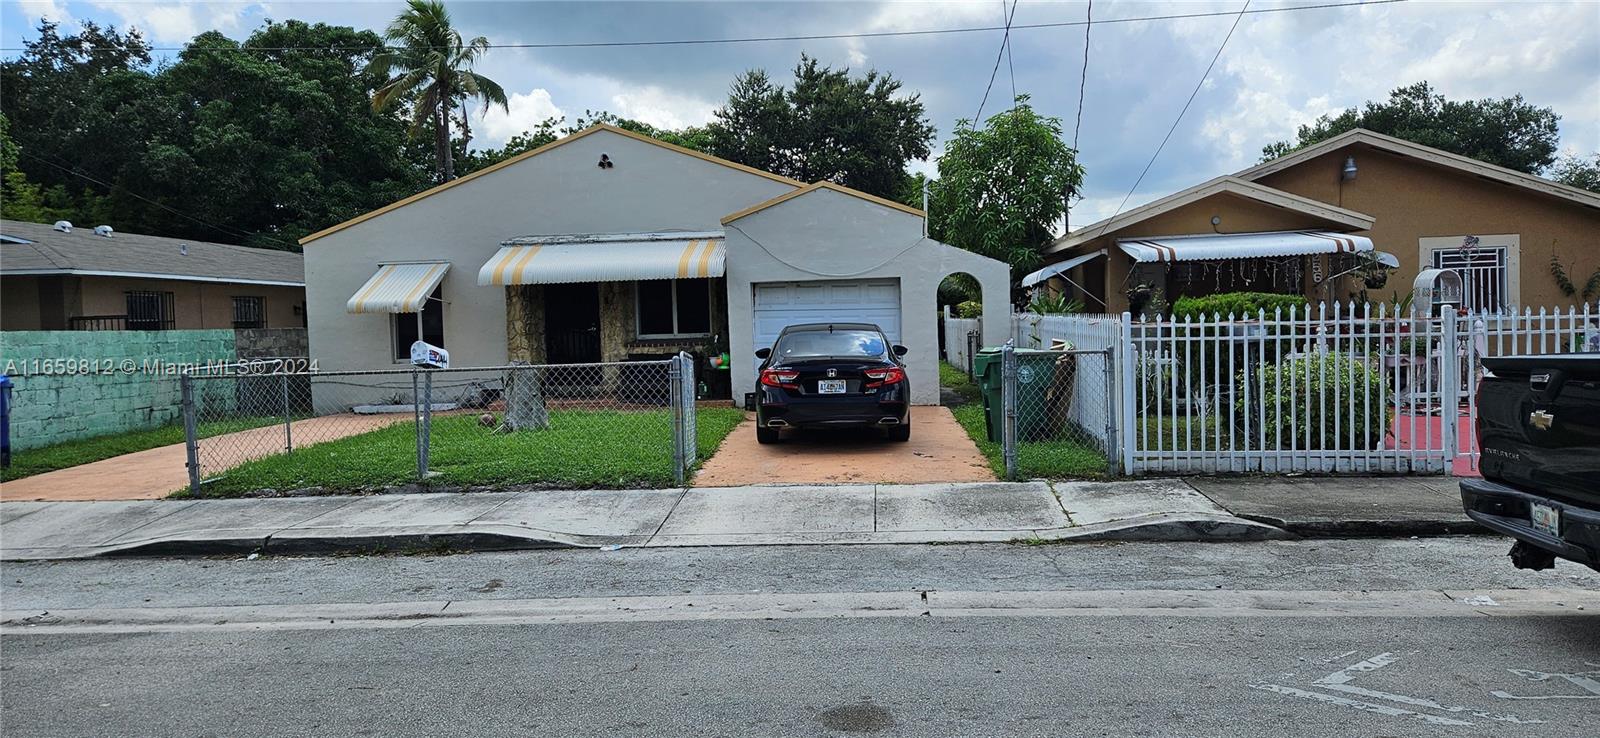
x=85 y=450
x=580 y=449
x=956 y=379
x=1035 y=459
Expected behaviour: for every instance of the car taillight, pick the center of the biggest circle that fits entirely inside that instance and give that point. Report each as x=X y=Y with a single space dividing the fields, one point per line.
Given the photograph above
x=881 y=377
x=782 y=378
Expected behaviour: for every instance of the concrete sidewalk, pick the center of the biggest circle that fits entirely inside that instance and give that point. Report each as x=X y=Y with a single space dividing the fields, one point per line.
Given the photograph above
x=923 y=513
x=1344 y=506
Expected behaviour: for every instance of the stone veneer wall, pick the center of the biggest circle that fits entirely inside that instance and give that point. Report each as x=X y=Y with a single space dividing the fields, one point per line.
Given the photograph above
x=131 y=381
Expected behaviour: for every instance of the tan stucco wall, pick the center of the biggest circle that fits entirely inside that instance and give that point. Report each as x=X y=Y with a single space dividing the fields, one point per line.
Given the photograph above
x=196 y=304
x=1239 y=215
x=1412 y=200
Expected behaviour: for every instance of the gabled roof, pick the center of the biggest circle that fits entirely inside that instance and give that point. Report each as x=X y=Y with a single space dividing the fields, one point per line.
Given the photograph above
x=813 y=187
x=46 y=251
x=598 y=127
x=1430 y=155
x=1230 y=185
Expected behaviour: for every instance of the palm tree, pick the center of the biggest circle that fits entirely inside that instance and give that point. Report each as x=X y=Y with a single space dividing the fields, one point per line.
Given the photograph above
x=428 y=65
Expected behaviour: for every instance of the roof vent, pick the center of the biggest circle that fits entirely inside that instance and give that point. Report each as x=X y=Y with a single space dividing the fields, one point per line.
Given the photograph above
x=103 y=231
x=63 y=226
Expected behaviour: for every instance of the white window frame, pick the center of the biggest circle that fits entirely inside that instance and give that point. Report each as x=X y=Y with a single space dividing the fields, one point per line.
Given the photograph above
x=638 y=308
x=1508 y=243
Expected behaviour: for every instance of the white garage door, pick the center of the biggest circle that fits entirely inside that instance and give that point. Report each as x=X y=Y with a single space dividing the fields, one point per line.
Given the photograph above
x=781 y=304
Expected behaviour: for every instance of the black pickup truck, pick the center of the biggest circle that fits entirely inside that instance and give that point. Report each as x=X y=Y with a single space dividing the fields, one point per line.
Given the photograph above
x=1539 y=434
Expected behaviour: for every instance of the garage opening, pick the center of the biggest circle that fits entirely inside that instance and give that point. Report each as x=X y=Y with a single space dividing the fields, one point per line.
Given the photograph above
x=782 y=304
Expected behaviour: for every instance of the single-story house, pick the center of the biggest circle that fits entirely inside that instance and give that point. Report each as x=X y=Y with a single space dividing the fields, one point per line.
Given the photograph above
x=1300 y=224
x=609 y=246
x=58 y=277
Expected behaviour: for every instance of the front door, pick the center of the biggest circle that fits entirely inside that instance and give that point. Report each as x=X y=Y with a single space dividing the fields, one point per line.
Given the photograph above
x=572 y=323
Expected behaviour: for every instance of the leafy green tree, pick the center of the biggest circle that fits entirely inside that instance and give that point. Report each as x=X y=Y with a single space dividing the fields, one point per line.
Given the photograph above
x=1578 y=171
x=430 y=69
x=19 y=198
x=1002 y=187
x=1506 y=131
x=551 y=129
x=855 y=131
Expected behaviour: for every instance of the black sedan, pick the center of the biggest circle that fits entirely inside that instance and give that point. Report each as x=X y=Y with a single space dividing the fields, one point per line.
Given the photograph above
x=831 y=375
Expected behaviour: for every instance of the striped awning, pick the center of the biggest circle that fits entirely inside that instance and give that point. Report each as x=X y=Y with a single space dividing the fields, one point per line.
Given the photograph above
x=1060 y=267
x=1210 y=247
x=605 y=259
x=398 y=288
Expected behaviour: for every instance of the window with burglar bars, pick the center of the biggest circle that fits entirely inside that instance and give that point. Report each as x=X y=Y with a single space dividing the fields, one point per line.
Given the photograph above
x=1483 y=276
x=150 y=311
x=249 y=312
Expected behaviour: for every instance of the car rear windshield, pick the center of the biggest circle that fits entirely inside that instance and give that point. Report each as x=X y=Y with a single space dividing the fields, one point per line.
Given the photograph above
x=808 y=344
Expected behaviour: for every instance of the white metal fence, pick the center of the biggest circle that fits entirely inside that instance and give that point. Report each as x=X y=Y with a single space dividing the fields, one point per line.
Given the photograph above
x=962 y=338
x=1331 y=389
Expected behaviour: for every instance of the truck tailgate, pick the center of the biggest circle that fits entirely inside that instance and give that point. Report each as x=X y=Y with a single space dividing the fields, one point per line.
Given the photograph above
x=1539 y=424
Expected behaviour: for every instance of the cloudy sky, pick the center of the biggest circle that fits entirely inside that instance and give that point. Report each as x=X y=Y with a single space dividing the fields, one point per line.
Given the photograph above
x=1278 y=71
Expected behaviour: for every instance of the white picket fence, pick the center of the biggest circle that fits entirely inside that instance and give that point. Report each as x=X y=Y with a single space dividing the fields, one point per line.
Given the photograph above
x=1332 y=389
x=961 y=335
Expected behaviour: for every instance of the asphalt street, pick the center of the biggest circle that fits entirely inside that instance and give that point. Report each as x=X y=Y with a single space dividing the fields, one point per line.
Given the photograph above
x=1365 y=637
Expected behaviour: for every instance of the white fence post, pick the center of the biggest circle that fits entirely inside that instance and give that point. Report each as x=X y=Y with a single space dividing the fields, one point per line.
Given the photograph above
x=1126 y=358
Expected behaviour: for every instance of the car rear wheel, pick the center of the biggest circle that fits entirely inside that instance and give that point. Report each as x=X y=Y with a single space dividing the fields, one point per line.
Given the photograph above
x=766 y=435
x=900 y=433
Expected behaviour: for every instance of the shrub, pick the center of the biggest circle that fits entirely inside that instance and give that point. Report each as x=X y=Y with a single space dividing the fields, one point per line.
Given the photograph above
x=969 y=309
x=1235 y=304
x=1057 y=304
x=1324 y=396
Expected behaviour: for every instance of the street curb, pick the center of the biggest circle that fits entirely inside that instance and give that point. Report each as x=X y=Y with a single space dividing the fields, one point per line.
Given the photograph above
x=423 y=539
x=1370 y=528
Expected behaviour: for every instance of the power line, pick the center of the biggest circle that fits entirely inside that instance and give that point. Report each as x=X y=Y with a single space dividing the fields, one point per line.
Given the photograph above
x=1083 y=77
x=977 y=120
x=221 y=229
x=768 y=39
x=1186 y=104
x=1011 y=68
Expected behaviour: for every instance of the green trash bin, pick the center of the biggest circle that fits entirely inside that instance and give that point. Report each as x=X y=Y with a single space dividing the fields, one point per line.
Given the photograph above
x=1039 y=394
x=986 y=367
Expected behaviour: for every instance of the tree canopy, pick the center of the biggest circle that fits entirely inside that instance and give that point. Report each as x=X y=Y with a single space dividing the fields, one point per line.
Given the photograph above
x=1506 y=131
x=1578 y=171
x=1002 y=187
x=858 y=131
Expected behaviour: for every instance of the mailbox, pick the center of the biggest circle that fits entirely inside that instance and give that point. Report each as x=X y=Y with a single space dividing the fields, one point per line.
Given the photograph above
x=1434 y=288
x=428 y=356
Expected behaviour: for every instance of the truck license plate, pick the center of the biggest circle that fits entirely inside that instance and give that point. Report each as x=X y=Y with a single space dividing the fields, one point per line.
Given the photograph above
x=1546 y=519
x=830 y=386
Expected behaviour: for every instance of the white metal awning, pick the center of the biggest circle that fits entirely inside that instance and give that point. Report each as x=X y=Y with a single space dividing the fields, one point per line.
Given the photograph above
x=613 y=258
x=1242 y=245
x=1061 y=267
x=398 y=288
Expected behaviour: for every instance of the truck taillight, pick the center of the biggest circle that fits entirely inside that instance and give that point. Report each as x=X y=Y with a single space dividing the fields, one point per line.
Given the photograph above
x=881 y=377
x=781 y=378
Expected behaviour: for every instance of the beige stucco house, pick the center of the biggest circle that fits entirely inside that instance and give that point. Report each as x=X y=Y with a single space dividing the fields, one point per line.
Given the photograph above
x=610 y=246
x=58 y=277
x=1297 y=223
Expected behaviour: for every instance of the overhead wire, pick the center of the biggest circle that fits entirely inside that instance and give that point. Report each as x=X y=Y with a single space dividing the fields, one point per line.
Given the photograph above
x=770 y=39
x=977 y=120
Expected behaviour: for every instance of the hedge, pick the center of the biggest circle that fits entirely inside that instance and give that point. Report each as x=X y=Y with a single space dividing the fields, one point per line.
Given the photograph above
x=1235 y=305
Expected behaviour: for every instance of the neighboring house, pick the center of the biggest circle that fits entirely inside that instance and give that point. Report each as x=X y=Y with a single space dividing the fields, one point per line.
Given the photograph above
x=1296 y=223
x=611 y=246
x=61 y=277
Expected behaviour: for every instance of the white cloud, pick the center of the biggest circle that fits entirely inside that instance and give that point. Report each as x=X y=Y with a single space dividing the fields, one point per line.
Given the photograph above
x=527 y=110
x=177 y=22
x=36 y=10
x=660 y=107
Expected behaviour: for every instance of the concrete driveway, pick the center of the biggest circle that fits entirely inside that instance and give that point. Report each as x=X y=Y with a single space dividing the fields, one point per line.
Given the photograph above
x=939 y=451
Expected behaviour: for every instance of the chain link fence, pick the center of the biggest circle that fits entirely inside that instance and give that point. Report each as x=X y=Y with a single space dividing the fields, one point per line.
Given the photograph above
x=608 y=424
x=1057 y=412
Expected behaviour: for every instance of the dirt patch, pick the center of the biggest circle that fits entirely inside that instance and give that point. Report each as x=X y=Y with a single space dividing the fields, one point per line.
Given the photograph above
x=939 y=451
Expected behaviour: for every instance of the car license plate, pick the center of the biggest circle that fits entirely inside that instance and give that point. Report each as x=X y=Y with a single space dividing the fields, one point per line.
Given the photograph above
x=1546 y=519
x=830 y=386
